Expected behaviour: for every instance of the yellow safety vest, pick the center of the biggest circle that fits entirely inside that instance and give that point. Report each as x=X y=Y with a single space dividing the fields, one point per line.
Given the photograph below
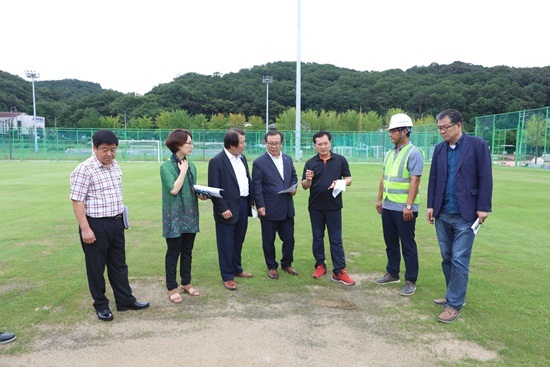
x=397 y=178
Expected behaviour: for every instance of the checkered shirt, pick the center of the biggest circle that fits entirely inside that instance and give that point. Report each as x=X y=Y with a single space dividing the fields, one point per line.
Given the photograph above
x=99 y=187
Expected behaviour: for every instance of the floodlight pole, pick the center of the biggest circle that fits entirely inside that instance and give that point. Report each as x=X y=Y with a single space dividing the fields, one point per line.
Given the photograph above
x=267 y=79
x=33 y=75
x=298 y=127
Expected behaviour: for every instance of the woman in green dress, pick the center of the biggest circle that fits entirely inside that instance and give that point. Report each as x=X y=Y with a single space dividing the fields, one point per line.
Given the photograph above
x=180 y=213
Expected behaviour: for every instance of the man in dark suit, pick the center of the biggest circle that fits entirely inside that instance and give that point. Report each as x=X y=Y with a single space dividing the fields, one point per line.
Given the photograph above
x=228 y=170
x=460 y=189
x=273 y=172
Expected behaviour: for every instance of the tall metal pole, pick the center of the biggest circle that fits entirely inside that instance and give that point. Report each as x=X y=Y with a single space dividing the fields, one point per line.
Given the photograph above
x=297 y=152
x=267 y=79
x=34 y=75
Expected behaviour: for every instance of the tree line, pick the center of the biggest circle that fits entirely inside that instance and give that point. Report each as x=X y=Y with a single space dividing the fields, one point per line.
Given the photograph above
x=332 y=98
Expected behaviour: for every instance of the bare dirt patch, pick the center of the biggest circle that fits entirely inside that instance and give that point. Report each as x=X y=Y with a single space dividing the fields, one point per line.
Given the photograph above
x=325 y=325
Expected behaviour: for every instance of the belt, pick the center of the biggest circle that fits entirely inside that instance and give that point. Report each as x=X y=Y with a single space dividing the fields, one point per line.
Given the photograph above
x=118 y=216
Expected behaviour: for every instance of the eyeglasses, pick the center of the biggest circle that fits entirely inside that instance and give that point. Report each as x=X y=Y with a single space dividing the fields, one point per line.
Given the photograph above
x=445 y=128
x=274 y=144
x=393 y=131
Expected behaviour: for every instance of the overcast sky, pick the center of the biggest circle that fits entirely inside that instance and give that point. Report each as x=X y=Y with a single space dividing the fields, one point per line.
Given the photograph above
x=132 y=46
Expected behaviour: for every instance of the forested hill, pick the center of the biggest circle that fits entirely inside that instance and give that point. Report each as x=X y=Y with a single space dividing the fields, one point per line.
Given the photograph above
x=420 y=91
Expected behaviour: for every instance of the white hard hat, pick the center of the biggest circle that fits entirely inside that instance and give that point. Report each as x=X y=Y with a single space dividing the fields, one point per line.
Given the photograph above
x=400 y=120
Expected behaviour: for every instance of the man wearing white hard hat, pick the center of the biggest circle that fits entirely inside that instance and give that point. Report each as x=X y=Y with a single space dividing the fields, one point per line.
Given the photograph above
x=397 y=203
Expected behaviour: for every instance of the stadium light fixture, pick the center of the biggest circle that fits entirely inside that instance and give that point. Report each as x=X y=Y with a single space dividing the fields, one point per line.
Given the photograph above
x=33 y=75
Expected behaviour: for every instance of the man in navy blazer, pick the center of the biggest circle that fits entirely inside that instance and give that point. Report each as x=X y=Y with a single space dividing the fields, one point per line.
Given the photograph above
x=460 y=189
x=228 y=170
x=273 y=172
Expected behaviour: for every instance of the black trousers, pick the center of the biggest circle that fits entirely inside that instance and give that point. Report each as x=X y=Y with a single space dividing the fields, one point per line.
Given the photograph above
x=180 y=247
x=230 y=239
x=397 y=231
x=332 y=220
x=285 y=230
x=108 y=251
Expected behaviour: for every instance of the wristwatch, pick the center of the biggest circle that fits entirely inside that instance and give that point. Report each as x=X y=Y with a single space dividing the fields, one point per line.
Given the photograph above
x=409 y=207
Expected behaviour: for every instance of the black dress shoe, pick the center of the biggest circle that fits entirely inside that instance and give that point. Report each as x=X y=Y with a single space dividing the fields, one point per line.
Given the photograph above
x=105 y=315
x=136 y=306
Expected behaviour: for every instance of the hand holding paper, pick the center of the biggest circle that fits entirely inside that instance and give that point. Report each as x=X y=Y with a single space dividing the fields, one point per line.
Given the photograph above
x=339 y=186
x=290 y=190
x=475 y=226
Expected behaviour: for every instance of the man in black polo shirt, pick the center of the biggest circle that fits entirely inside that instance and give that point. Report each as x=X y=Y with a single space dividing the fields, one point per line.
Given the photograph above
x=321 y=174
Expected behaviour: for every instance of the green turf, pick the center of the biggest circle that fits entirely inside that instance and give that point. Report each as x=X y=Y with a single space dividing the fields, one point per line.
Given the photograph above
x=42 y=278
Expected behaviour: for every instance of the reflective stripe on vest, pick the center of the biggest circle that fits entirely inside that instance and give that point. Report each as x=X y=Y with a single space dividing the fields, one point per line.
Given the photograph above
x=397 y=179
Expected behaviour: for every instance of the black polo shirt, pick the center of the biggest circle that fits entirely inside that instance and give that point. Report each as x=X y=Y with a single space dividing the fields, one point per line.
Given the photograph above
x=324 y=173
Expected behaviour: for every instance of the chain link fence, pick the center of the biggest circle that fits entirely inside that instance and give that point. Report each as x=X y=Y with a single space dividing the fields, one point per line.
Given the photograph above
x=148 y=145
x=520 y=138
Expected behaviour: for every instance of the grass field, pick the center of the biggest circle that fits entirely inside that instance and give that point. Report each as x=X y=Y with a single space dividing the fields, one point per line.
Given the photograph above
x=42 y=277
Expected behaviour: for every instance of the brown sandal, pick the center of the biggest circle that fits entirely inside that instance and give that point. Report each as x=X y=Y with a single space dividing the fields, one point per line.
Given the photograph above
x=174 y=296
x=189 y=289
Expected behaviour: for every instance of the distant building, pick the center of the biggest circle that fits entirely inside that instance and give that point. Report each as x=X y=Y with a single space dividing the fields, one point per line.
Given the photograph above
x=21 y=121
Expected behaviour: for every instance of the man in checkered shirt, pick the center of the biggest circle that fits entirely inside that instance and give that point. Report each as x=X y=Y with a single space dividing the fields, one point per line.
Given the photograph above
x=96 y=194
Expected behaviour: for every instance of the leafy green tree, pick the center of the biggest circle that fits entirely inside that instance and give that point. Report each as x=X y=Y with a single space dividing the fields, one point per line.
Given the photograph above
x=52 y=111
x=421 y=91
x=178 y=119
x=219 y=122
x=351 y=119
x=144 y=122
x=131 y=105
x=425 y=120
x=310 y=120
x=163 y=121
x=286 y=120
x=199 y=121
x=372 y=121
x=237 y=120
x=256 y=123
x=90 y=119
x=109 y=122
x=329 y=120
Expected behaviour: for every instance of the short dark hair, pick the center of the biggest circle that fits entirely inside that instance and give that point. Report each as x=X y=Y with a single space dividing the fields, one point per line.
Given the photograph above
x=177 y=138
x=104 y=137
x=320 y=134
x=453 y=115
x=231 y=138
x=273 y=133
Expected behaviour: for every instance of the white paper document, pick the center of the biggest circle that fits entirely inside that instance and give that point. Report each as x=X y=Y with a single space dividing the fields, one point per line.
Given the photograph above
x=254 y=213
x=125 y=217
x=475 y=226
x=212 y=191
x=290 y=190
x=339 y=187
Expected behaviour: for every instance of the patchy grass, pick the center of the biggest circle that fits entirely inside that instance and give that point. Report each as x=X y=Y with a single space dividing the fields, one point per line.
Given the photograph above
x=43 y=289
